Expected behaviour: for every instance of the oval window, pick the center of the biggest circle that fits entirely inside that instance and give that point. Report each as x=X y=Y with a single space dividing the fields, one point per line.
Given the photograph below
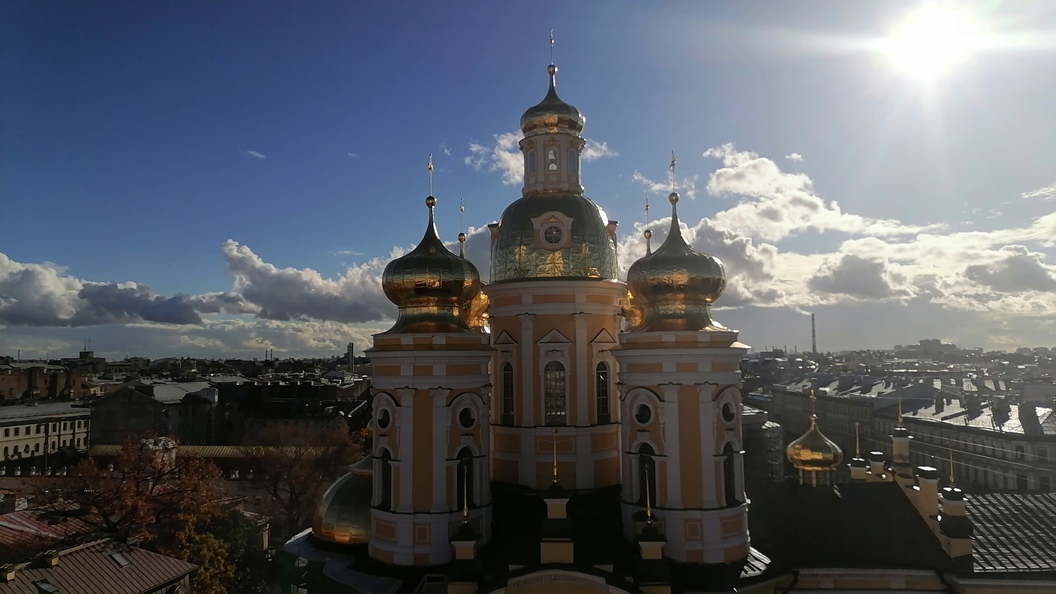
x=728 y=413
x=466 y=418
x=384 y=418
x=642 y=414
x=553 y=235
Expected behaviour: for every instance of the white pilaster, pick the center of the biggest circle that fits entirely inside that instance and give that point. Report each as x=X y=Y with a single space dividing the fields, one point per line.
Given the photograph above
x=707 y=441
x=672 y=448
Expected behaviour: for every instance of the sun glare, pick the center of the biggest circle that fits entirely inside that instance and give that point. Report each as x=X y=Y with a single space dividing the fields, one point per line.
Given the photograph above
x=932 y=41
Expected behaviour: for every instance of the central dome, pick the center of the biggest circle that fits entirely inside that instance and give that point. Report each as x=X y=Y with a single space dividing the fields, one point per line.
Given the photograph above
x=561 y=235
x=552 y=115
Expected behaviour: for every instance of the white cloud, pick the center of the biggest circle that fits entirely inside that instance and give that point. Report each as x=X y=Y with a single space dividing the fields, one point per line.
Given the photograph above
x=254 y=154
x=794 y=157
x=503 y=155
x=444 y=149
x=1046 y=193
x=595 y=149
x=686 y=186
x=352 y=155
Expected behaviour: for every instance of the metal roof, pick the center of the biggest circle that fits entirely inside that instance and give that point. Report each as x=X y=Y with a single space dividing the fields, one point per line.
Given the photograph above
x=40 y=411
x=91 y=569
x=1013 y=531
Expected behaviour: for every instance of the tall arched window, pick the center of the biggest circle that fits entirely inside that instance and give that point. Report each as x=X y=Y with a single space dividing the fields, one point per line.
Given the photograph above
x=551 y=160
x=507 y=394
x=531 y=162
x=554 y=395
x=465 y=478
x=385 y=499
x=646 y=474
x=601 y=392
x=729 y=475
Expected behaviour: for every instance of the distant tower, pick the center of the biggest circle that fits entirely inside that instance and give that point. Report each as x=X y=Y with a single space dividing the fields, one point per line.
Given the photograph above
x=813 y=336
x=430 y=403
x=350 y=352
x=682 y=445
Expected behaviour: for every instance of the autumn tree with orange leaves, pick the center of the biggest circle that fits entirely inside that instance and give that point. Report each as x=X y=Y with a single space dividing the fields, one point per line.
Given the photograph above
x=146 y=492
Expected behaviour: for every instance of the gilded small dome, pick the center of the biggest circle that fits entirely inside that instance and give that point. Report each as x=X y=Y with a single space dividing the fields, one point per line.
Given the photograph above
x=552 y=115
x=430 y=285
x=813 y=451
x=675 y=285
x=556 y=235
x=343 y=516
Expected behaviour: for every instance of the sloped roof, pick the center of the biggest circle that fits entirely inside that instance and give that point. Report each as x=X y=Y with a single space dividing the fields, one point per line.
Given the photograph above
x=90 y=569
x=1014 y=532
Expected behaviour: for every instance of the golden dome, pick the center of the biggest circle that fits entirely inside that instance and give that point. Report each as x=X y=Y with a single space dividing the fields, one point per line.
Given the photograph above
x=553 y=235
x=675 y=285
x=343 y=516
x=813 y=451
x=552 y=115
x=430 y=285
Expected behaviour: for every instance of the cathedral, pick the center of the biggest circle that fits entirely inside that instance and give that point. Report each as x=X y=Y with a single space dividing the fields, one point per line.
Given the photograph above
x=557 y=428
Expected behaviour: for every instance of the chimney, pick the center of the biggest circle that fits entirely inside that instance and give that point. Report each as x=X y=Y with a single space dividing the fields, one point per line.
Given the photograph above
x=926 y=492
x=8 y=571
x=955 y=529
x=876 y=465
x=51 y=558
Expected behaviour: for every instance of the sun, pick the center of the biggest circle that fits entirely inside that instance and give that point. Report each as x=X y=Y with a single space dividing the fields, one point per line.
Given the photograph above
x=933 y=41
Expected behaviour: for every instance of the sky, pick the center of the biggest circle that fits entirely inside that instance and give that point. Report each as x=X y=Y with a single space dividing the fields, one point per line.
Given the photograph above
x=216 y=179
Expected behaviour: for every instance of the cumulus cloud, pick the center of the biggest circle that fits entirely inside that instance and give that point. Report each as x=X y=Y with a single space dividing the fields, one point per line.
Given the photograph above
x=503 y=155
x=857 y=277
x=1046 y=193
x=774 y=204
x=46 y=295
x=256 y=155
x=794 y=157
x=1020 y=270
x=303 y=293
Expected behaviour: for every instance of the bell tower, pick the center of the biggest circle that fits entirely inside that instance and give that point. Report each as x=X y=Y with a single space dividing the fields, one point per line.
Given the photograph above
x=431 y=396
x=554 y=301
x=681 y=408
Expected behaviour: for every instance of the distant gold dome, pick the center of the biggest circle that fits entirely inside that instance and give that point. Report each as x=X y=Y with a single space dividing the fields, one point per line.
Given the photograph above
x=554 y=235
x=430 y=285
x=675 y=285
x=343 y=516
x=552 y=115
x=813 y=451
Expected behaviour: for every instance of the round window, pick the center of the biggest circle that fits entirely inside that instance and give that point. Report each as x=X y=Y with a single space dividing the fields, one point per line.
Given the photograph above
x=553 y=235
x=642 y=414
x=728 y=413
x=466 y=418
x=384 y=418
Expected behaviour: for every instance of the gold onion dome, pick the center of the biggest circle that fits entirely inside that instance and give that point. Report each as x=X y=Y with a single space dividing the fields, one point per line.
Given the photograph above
x=675 y=284
x=343 y=516
x=813 y=451
x=552 y=115
x=430 y=285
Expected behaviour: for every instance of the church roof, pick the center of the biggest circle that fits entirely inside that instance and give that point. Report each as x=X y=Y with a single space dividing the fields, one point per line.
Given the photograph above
x=1014 y=532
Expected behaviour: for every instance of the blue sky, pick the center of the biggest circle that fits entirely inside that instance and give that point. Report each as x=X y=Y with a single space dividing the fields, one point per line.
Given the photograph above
x=162 y=165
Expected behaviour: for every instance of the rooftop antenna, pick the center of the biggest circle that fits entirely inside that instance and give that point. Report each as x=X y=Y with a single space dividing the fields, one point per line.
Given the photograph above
x=430 y=166
x=857 y=442
x=555 y=455
x=900 y=409
x=952 y=482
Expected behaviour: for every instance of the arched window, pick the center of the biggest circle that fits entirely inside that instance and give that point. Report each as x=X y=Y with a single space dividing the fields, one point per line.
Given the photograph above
x=385 y=498
x=507 y=394
x=465 y=479
x=601 y=392
x=6 y=451
x=572 y=160
x=551 y=160
x=554 y=400
x=646 y=474
x=729 y=475
x=531 y=162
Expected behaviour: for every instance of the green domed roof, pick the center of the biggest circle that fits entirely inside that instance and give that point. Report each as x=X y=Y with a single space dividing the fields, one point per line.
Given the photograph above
x=553 y=235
